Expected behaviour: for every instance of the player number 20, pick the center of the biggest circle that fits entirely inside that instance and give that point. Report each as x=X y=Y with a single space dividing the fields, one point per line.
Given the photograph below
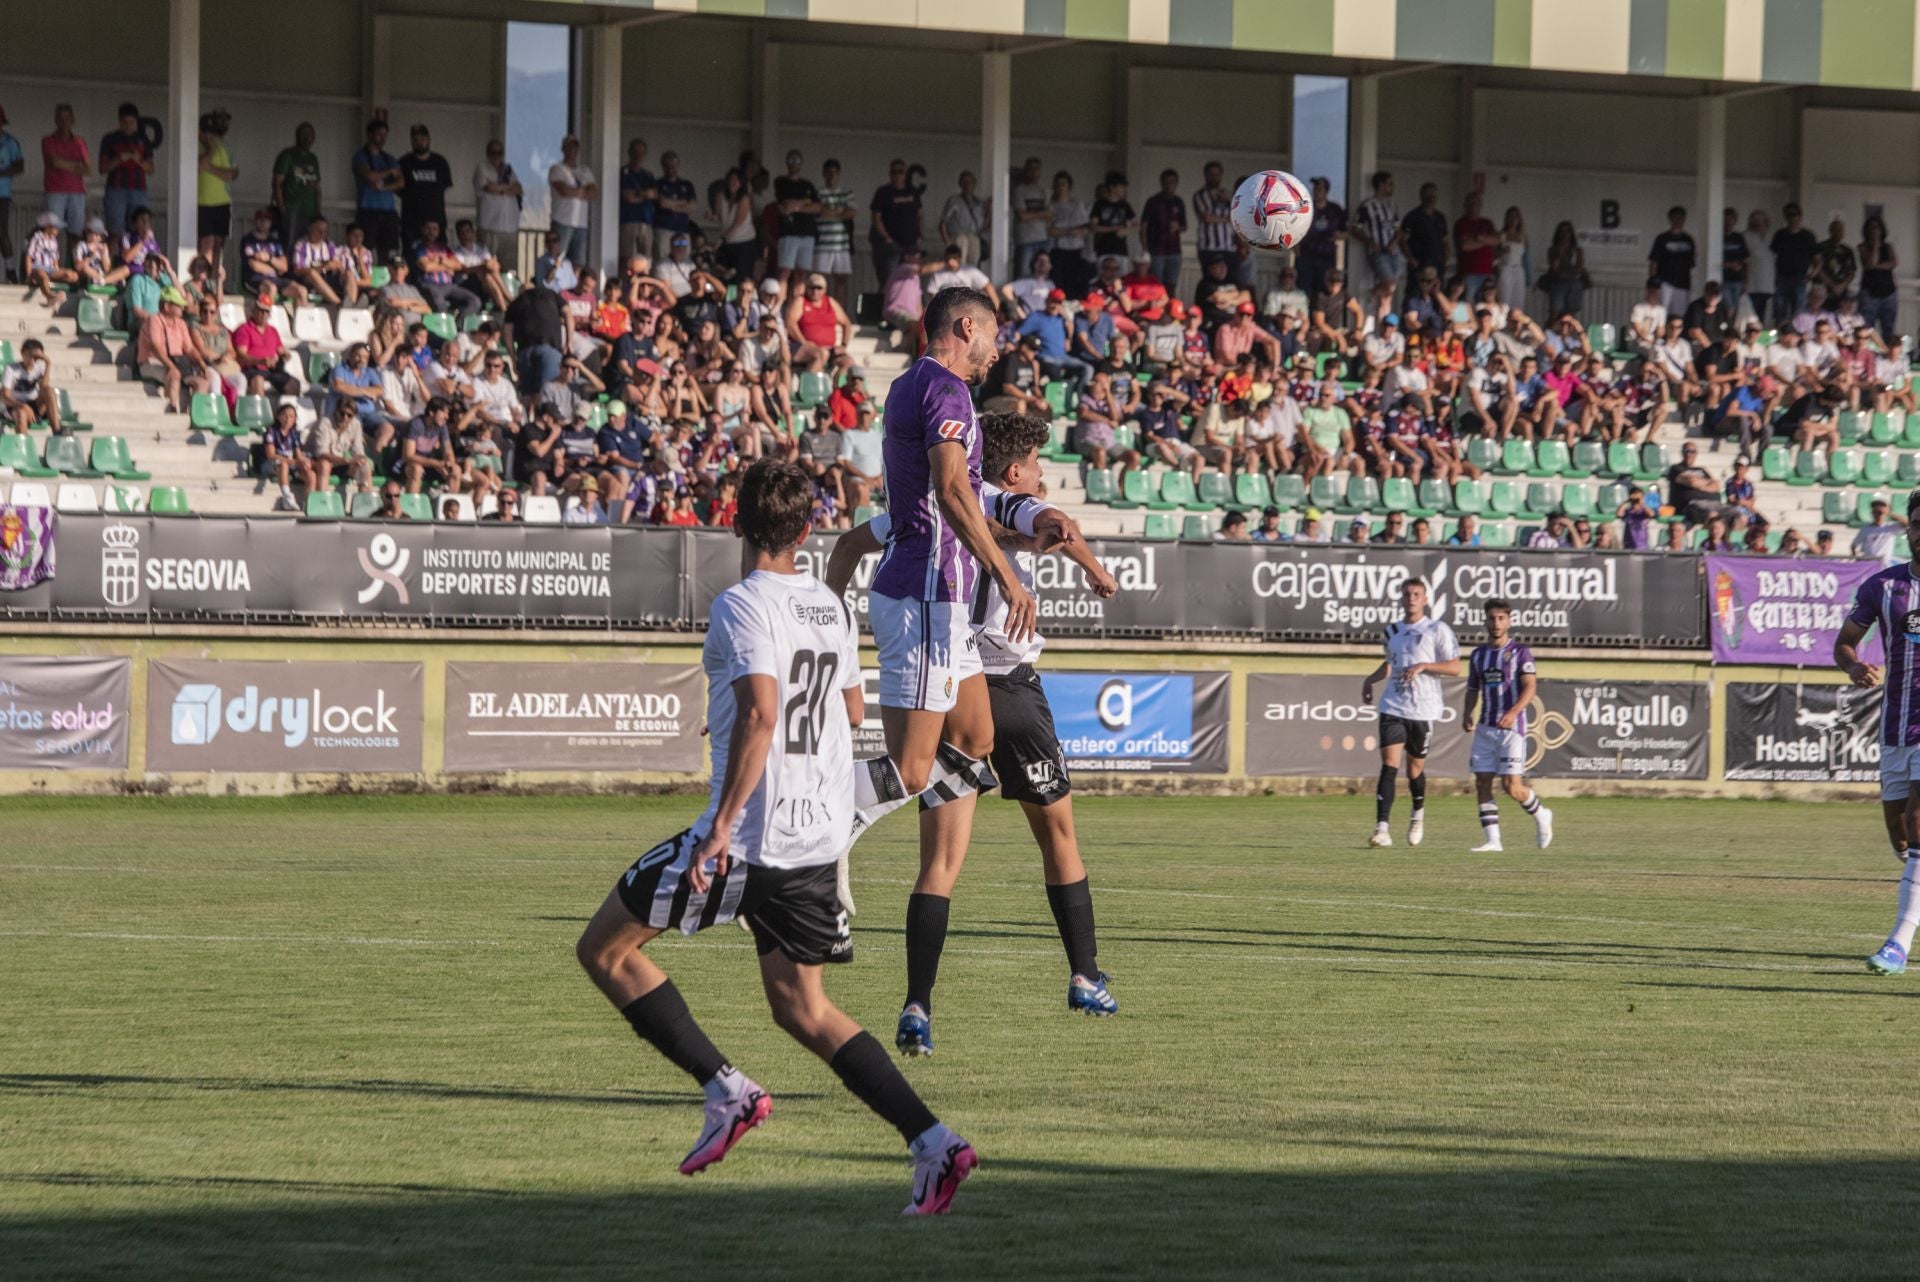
x=805 y=717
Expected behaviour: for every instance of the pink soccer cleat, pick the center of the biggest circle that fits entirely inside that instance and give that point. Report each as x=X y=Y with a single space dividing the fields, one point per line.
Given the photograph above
x=938 y=1173
x=728 y=1121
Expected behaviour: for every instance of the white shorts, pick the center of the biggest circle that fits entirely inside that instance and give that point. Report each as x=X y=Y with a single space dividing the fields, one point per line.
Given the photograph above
x=1899 y=767
x=1498 y=752
x=833 y=262
x=795 y=253
x=926 y=650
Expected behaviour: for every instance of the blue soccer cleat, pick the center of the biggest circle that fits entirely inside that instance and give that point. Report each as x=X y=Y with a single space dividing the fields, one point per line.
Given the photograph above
x=1890 y=960
x=914 y=1036
x=1090 y=996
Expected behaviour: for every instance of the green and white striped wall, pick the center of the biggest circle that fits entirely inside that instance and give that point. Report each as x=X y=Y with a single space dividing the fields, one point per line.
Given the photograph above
x=1859 y=43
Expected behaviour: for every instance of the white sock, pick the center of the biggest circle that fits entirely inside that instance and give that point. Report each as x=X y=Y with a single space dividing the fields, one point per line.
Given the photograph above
x=1909 y=914
x=724 y=1084
x=1490 y=821
x=878 y=790
x=929 y=1140
x=1532 y=805
x=956 y=775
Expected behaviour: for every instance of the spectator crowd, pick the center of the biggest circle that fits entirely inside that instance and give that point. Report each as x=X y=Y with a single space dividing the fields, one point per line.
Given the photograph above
x=725 y=334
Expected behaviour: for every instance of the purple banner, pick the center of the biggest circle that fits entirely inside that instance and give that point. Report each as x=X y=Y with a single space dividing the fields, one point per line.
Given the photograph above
x=26 y=546
x=1779 y=609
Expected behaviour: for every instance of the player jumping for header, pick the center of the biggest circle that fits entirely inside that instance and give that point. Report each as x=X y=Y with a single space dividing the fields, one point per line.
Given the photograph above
x=1026 y=751
x=1890 y=600
x=779 y=649
x=1500 y=674
x=1420 y=650
x=933 y=690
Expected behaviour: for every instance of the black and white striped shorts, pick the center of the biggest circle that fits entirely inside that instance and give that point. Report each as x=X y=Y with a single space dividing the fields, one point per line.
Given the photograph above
x=796 y=910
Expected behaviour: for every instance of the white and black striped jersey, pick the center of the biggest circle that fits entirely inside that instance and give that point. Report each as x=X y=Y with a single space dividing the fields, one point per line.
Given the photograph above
x=791 y=628
x=1428 y=641
x=987 y=610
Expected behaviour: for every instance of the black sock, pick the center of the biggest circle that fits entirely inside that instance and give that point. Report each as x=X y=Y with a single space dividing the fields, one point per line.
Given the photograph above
x=1383 y=797
x=871 y=1075
x=662 y=1018
x=1417 y=789
x=926 y=939
x=1073 y=913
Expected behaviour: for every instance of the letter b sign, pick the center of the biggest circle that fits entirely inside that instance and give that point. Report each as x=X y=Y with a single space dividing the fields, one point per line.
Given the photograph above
x=1609 y=214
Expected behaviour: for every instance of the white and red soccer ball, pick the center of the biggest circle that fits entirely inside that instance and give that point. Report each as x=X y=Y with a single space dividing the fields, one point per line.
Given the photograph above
x=1272 y=210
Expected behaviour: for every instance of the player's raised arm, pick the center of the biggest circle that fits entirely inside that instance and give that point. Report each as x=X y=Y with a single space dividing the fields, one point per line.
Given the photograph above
x=860 y=541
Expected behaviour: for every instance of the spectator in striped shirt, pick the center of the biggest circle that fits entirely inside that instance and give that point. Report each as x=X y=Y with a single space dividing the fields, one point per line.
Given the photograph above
x=1212 y=205
x=319 y=265
x=833 y=239
x=1377 y=224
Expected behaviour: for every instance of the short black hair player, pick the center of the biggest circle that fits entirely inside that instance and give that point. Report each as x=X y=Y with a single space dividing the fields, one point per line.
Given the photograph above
x=779 y=649
x=1026 y=750
x=1420 y=650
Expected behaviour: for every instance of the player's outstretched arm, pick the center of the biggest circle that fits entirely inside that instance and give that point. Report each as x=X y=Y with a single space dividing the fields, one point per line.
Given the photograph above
x=1846 y=654
x=1098 y=577
x=845 y=557
x=756 y=702
x=958 y=504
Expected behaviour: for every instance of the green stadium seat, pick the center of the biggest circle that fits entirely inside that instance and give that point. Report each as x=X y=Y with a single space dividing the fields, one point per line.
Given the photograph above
x=1100 y=488
x=1470 y=498
x=1496 y=534
x=123 y=498
x=320 y=366
x=811 y=389
x=1843 y=468
x=1550 y=458
x=418 y=507
x=1434 y=497
x=1397 y=495
x=1516 y=457
x=381 y=277
x=1588 y=458
x=1159 y=526
x=1325 y=493
x=112 y=458
x=1655 y=459
x=1808 y=467
x=1126 y=436
x=1836 y=507
x=1907 y=471
x=1577 y=500
x=1600 y=336
x=168 y=500
x=70 y=417
x=1543 y=498
x=365 y=505
x=1196 y=528
x=95 y=319
x=1056 y=393
x=67 y=456
x=1060 y=444
x=326 y=505
x=1141 y=488
x=1363 y=495
x=16 y=452
x=1910 y=432
x=1775 y=537
x=255 y=413
x=209 y=412
x=1885 y=430
x=6 y=352
x=1863 y=505
x=1776 y=463
x=1851 y=426
x=1483 y=452
x=1323 y=362
x=1177 y=491
x=1876 y=467
x=1622 y=458
x=1216 y=489
x=1609 y=499
x=1289 y=491
x=1507 y=499
x=1251 y=491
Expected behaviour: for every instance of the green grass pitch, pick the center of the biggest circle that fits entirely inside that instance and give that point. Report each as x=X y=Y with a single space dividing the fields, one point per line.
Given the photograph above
x=346 y=1037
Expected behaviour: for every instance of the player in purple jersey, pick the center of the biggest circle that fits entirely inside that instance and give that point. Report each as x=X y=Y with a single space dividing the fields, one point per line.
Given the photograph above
x=1500 y=679
x=933 y=689
x=1890 y=600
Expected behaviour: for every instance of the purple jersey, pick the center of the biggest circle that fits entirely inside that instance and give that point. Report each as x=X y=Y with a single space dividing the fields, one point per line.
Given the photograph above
x=1891 y=599
x=1495 y=672
x=926 y=407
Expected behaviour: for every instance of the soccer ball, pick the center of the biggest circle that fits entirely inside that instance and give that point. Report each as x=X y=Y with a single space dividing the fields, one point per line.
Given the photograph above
x=1271 y=210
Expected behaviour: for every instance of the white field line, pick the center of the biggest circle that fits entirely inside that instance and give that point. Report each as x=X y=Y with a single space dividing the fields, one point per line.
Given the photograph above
x=355 y=941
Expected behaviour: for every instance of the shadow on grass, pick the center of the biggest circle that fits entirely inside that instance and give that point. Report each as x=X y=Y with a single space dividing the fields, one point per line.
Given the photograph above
x=82 y=1083
x=1019 y=1218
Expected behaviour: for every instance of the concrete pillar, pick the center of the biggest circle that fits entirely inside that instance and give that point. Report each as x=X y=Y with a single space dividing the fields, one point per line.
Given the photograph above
x=182 y=153
x=996 y=155
x=1363 y=159
x=766 y=104
x=1472 y=146
x=1141 y=184
x=1711 y=192
x=603 y=143
x=376 y=75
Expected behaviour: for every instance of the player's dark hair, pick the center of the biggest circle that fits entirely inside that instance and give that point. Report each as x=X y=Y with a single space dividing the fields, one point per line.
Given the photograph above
x=1913 y=505
x=949 y=303
x=1008 y=438
x=776 y=502
x=1497 y=604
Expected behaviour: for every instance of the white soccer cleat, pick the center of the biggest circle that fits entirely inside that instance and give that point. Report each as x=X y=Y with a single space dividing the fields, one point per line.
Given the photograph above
x=1543 y=822
x=1487 y=848
x=728 y=1119
x=1416 y=832
x=843 y=885
x=1381 y=837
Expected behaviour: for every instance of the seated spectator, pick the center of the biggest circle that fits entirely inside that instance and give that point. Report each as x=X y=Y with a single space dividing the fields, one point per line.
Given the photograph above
x=585 y=507
x=357 y=384
x=480 y=270
x=259 y=349
x=213 y=345
x=1217 y=295
x=138 y=249
x=1691 y=491
x=845 y=402
x=1093 y=432
x=1393 y=529
x=1337 y=319
x=93 y=258
x=1233 y=528
x=1716 y=539
x=955 y=269
x=1823 y=543
x=1030 y=291
x=400 y=294
x=537 y=461
x=862 y=468
x=900 y=300
x=1053 y=331
x=1466 y=534
x=1880 y=539
x=390 y=508
x=1270 y=531
x=284 y=458
x=426 y=452
x=1554 y=534
x=555 y=270
x=1327 y=442
x=27 y=392
x=1810 y=421
x=322 y=269
x=167 y=355
x=264 y=267
x=356 y=260
x=817 y=326
x=437 y=267
x=44 y=269
x=338 y=443
x=1241 y=336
